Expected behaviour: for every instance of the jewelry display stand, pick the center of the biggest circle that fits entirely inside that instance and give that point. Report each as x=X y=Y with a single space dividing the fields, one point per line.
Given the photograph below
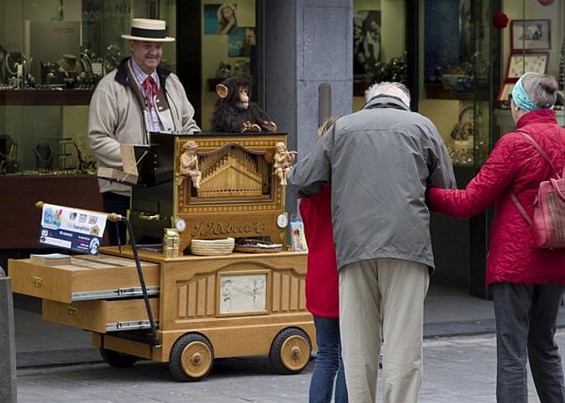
x=43 y=157
x=65 y=154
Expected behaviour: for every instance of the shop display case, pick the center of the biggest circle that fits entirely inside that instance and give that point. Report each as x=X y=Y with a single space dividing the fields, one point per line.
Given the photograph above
x=52 y=54
x=473 y=52
x=458 y=72
x=459 y=69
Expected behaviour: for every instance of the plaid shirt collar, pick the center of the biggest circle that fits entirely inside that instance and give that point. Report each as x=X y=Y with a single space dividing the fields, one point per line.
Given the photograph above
x=140 y=75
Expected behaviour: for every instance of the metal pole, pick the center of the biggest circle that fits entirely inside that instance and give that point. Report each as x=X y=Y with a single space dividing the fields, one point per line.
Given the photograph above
x=8 y=390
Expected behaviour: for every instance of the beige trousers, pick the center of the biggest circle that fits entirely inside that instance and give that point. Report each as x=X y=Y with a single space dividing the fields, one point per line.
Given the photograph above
x=382 y=299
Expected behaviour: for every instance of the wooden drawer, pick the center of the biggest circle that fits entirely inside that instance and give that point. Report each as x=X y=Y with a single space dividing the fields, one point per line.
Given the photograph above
x=86 y=278
x=101 y=315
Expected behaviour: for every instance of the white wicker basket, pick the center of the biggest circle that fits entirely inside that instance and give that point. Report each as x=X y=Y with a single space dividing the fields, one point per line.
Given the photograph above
x=212 y=247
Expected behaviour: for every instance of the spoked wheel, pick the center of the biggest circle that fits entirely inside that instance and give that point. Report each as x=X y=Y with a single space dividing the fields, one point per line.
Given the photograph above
x=191 y=358
x=290 y=351
x=116 y=359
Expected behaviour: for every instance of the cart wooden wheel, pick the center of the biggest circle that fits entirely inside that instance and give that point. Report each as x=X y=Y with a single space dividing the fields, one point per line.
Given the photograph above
x=117 y=359
x=191 y=358
x=290 y=351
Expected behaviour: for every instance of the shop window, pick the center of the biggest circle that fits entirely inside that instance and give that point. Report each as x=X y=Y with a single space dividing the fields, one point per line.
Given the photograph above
x=229 y=43
x=456 y=55
x=379 y=44
x=532 y=41
x=53 y=54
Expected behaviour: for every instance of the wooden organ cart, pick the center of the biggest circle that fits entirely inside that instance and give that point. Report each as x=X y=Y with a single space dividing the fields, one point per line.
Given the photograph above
x=202 y=307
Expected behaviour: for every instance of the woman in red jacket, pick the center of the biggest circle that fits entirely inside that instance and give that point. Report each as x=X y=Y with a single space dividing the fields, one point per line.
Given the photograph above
x=322 y=296
x=526 y=282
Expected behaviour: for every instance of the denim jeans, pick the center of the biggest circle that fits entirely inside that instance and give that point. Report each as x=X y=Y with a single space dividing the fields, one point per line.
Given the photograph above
x=328 y=363
x=525 y=329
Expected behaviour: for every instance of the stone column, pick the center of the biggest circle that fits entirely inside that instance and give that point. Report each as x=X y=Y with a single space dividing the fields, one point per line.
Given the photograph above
x=8 y=392
x=306 y=43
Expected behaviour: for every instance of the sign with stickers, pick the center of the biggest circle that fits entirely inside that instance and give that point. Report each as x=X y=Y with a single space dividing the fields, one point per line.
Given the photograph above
x=71 y=228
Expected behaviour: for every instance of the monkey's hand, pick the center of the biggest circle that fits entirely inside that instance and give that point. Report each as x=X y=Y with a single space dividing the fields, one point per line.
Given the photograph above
x=270 y=126
x=250 y=127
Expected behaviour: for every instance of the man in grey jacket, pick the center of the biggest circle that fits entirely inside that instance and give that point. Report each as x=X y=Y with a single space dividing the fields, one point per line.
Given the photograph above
x=133 y=100
x=379 y=162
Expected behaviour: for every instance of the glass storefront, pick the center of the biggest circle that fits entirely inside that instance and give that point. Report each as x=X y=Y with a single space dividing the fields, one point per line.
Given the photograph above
x=229 y=43
x=53 y=54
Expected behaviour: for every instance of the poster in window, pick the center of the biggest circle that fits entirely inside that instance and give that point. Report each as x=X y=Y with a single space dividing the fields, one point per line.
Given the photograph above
x=220 y=19
x=366 y=41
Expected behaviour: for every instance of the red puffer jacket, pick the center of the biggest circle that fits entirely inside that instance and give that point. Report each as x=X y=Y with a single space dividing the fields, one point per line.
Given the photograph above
x=514 y=166
x=322 y=279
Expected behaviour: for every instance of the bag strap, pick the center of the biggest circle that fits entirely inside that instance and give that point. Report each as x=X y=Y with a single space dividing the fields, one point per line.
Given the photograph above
x=540 y=151
x=521 y=209
x=538 y=148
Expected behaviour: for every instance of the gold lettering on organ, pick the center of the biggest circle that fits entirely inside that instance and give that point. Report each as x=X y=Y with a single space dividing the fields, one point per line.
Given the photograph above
x=207 y=228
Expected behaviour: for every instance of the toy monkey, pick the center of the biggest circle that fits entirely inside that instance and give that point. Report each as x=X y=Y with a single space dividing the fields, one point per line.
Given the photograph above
x=234 y=113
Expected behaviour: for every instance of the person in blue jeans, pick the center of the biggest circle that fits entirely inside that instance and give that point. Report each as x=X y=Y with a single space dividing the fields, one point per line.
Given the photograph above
x=329 y=366
x=322 y=295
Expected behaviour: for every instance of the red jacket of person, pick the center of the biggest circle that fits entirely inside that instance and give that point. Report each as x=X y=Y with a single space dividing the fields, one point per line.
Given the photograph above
x=322 y=296
x=513 y=166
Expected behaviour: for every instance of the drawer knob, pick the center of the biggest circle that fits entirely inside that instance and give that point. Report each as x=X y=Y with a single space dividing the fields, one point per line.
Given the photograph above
x=37 y=281
x=72 y=311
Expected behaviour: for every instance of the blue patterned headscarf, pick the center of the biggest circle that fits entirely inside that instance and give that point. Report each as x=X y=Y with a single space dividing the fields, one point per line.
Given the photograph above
x=523 y=100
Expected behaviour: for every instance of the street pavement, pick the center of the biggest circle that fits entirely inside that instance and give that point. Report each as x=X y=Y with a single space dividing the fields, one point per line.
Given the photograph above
x=456 y=370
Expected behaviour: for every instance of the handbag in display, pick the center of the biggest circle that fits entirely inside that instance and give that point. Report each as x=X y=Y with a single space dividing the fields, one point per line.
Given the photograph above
x=548 y=224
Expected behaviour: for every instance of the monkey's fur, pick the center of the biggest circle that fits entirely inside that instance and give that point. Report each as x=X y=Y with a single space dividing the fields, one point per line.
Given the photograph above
x=234 y=113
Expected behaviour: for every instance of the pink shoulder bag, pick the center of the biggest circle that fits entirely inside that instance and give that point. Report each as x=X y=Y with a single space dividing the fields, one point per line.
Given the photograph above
x=548 y=224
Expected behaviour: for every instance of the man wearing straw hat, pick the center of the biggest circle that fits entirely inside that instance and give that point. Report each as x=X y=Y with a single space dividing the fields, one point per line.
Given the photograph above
x=136 y=98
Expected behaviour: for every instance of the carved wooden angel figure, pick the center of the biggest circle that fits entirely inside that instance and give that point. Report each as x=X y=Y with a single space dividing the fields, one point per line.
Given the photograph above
x=189 y=163
x=284 y=160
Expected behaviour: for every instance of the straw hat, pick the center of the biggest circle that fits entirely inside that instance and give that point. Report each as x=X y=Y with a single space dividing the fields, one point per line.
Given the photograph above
x=143 y=29
x=190 y=145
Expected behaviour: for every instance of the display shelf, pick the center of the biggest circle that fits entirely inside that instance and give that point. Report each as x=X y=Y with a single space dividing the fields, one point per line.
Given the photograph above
x=438 y=91
x=50 y=97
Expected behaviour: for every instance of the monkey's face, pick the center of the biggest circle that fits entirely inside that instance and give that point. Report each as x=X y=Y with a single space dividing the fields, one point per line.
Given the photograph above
x=243 y=98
